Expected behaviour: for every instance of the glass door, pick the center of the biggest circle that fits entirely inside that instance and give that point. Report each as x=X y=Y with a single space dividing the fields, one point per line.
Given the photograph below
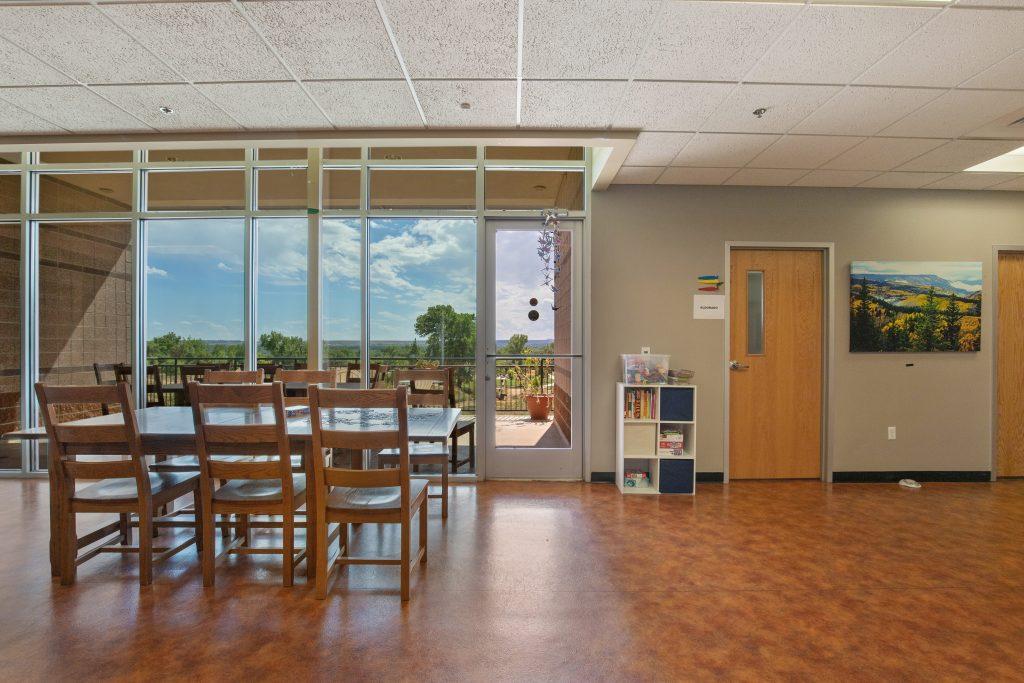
x=534 y=367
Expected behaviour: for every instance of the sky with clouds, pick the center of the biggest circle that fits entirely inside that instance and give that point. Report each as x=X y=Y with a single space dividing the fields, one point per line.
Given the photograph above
x=968 y=274
x=195 y=278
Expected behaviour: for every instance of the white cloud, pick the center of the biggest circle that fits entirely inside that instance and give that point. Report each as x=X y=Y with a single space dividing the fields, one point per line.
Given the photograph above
x=223 y=266
x=156 y=272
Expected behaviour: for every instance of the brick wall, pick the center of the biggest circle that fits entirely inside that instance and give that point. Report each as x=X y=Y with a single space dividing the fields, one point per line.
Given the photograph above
x=10 y=327
x=563 y=339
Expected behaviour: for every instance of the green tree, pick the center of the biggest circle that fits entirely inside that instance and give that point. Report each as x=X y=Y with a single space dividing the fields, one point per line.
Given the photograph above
x=173 y=345
x=449 y=331
x=952 y=318
x=516 y=345
x=277 y=345
x=928 y=329
x=864 y=333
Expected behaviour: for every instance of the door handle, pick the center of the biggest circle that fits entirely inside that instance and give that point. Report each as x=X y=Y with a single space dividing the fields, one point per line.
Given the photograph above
x=736 y=365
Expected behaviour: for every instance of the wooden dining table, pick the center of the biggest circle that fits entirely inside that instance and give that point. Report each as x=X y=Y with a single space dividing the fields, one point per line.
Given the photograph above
x=169 y=431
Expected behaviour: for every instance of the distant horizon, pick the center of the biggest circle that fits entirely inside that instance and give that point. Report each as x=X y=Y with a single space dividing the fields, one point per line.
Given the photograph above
x=530 y=342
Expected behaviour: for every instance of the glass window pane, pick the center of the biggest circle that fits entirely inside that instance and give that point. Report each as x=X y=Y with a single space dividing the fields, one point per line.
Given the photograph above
x=86 y=157
x=196 y=155
x=423 y=153
x=288 y=153
x=535 y=153
x=195 y=190
x=429 y=189
x=85 y=192
x=10 y=158
x=534 y=190
x=755 y=312
x=10 y=343
x=10 y=193
x=281 y=188
x=342 y=153
x=422 y=291
x=341 y=311
x=281 y=291
x=85 y=301
x=195 y=294
x=341 y=189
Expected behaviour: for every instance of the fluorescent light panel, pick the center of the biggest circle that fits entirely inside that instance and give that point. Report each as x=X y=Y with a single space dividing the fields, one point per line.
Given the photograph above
x=1011 y=162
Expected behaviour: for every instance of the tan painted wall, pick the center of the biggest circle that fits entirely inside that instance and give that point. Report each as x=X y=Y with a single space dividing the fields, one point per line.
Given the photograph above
x=650 y=243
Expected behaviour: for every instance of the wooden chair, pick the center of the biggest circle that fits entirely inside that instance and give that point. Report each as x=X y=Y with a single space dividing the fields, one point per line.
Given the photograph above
x=264 y=486
x=126 y=486
x=307 y=377
x=464 y=425
x=354 y=373
x=195 y=373
x=106 y=375
x=346 y=496
x=154 y=384
x=269 y=370
x=233 y=376
x=427 y=389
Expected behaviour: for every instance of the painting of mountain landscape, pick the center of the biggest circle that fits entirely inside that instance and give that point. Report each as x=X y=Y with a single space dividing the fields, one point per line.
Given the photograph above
x=916 y=306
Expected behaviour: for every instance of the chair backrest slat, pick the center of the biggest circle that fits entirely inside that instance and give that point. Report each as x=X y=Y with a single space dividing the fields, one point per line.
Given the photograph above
x=233 y=376
x=354 y=373
x=327 y=435
x=256 y=469
x=307 y=377
x=427 y=388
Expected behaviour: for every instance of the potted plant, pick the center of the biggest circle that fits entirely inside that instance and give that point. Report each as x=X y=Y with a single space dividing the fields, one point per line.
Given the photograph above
x=537 y=403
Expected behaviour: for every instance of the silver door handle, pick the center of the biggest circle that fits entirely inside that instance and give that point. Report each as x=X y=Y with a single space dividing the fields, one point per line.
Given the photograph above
x=736 y=365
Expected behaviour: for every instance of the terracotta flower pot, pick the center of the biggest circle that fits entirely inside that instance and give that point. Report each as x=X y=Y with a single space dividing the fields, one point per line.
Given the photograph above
x=539 y=406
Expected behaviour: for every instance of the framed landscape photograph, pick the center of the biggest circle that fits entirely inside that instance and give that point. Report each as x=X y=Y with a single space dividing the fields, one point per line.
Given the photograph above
x=915 y=306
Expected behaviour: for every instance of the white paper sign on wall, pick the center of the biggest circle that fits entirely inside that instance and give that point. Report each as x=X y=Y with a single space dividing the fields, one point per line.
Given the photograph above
x=708 y=306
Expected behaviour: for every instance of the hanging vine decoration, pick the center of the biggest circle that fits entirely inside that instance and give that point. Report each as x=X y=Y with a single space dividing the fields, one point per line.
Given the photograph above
x=550 y=253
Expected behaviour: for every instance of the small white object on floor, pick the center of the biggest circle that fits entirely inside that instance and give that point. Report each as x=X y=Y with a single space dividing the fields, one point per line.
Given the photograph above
x=910 y=484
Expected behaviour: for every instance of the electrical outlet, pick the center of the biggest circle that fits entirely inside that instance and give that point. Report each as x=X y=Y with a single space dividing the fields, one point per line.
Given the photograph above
x=892 y=433
x=645 y=349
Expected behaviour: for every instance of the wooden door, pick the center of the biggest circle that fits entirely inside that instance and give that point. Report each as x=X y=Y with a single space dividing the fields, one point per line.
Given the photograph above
x=776 y=313
x=1010 y=367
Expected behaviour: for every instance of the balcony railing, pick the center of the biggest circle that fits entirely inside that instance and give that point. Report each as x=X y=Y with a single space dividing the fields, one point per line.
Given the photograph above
x=514 y=378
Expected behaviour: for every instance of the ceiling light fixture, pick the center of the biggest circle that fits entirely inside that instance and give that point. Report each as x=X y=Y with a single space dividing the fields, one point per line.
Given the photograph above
x=465 y=105
x=1011 y=162
x=166 y=111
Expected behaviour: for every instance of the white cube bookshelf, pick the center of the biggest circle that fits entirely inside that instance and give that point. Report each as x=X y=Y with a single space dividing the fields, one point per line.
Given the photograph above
x=644 y=414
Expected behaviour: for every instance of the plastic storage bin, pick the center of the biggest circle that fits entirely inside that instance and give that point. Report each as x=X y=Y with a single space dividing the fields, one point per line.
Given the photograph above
x=644 y=368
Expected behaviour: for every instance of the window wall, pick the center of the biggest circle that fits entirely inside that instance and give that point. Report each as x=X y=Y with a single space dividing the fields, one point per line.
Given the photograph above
x=318 y=257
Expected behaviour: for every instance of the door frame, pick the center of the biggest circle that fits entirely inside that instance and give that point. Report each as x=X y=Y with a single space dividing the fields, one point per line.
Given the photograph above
x=828 y=345
x=997 y=249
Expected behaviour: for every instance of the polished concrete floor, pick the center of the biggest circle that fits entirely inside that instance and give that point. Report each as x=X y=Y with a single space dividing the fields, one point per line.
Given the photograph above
x=568 y=582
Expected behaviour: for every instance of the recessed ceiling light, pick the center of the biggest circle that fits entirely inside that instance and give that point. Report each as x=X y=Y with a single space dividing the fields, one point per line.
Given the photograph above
x=465 y=105
x=1011 y=162
x=166 y=111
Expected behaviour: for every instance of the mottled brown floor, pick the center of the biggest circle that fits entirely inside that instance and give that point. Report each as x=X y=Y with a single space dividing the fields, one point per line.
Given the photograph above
x=538 y=581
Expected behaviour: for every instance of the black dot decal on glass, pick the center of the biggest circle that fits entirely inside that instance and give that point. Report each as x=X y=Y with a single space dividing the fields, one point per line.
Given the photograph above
x=533 y=315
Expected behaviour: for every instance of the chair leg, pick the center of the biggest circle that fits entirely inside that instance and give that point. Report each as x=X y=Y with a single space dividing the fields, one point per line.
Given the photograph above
x=423 y=529
x=244 y=529
x=455 y=454
x=126 y=528
x=288 y=532
x=406 y=555
x=68 y=549
x=472 y=449
x=199 y=530
x=322 y=529
x=343 y=538
x=444 y=493
x=146 y=545
x=209 y=556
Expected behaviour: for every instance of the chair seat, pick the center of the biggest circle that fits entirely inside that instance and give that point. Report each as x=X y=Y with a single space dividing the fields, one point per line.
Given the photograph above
x=464 y=423
x=251 y=490
x=125 y=489
x=378 y=498
x=190 y=463
x=416 y=449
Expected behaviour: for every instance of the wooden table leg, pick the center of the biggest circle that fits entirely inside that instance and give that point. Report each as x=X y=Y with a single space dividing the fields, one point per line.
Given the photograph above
x=312 y=526
x=54 y=526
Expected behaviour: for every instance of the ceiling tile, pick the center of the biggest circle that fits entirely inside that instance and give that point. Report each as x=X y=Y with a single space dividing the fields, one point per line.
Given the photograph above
x=204 y=41
x=959 y=155
x=957 y=113
x=367 y=104
x=427 y=33
x=1016 y=185
x=327 y=39
x=637 y=175
x=74 y=108
x=665 y=106
x=584 y=38
x=492 y=103
x=971 y=181
x=775 y=177
x=957 y=45
x=678 y=175
x=710 y=41
x=723 y=149
x=264 y=106
x=95 y=51
x=21 y=68
x=656 y=149
x=787 y=105
x=192 y=111
x=864 y=110
x=570 y=104
x=1007 y=73
x=834 y=44
x=15 y=121
x=882 y=154
x=803 y=151
x=903 y=180
x=825 y=178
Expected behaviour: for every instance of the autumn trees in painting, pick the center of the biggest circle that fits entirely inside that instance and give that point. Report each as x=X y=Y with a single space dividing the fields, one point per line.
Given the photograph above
x=915 y=306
